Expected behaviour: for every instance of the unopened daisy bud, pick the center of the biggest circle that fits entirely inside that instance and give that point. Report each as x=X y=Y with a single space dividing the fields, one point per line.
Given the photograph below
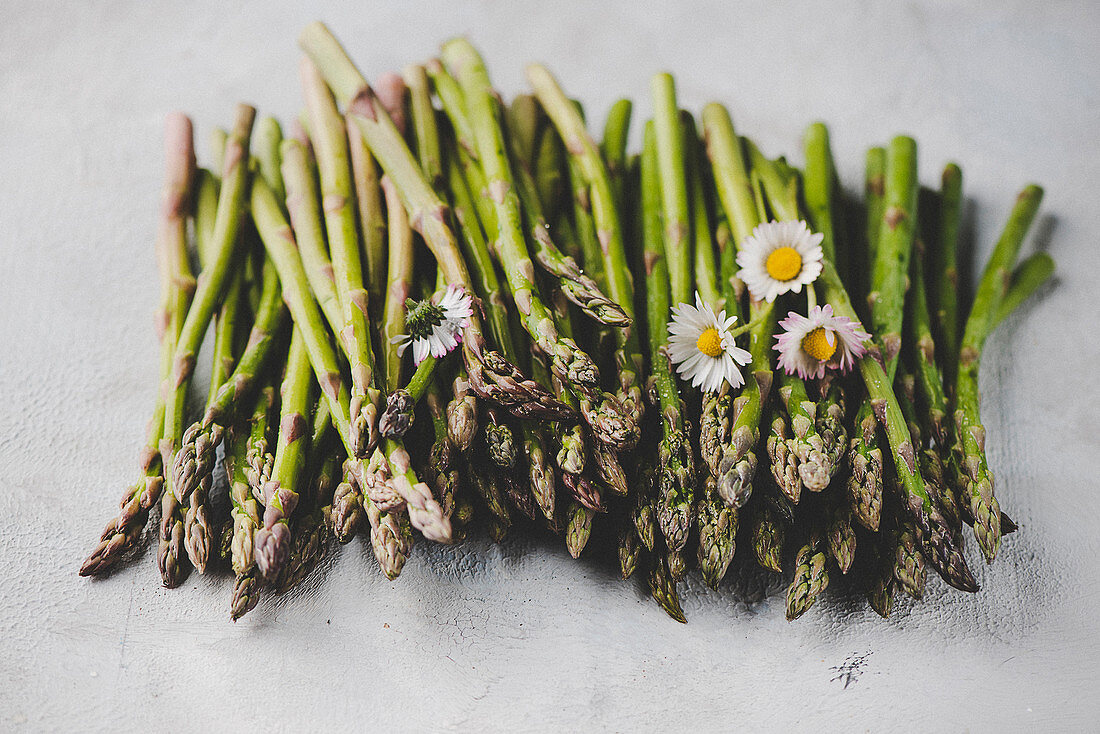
x=779 y=257
x=808 y=345
x=435 y=328
x=701 y=346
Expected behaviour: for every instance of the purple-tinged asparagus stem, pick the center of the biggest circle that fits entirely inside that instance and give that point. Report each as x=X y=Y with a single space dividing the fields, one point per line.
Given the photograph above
x=208 y=294
x=334 y=167
x=272 y=541
x=123 y=532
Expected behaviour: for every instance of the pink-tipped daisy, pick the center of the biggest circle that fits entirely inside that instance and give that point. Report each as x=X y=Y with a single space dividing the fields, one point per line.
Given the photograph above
x=779 y=257
x=435 y=328
x=702 y=348
x=811 y=344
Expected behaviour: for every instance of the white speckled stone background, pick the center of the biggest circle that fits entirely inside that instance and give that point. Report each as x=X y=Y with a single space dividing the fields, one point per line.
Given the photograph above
x=520 y=637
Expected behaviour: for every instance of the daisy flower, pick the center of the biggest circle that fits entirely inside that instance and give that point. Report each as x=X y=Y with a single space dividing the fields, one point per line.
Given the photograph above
x=779 y=257
x=810 y=344
x=702 y=348
x=435 y=328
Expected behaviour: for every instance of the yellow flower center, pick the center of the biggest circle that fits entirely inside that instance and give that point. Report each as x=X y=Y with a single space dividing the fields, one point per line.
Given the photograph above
x=819 y=344
x=784 y=263
x=710 y=343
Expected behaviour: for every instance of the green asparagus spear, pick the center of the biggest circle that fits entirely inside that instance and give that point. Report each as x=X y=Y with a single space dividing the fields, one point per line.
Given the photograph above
x=983 y=315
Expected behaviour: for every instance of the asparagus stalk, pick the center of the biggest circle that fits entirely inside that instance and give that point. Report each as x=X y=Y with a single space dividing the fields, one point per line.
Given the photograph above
x=983 y=315
x=567 y=360
x=731 y=178
x=705 y=266
x=246 y=511
x=909 y=569
x=268 y=139
x=768 y=536
x=303 y=205
x=333 y=162
x=281 y=492
x=717 y=533
x=210 y=286
x=674 y=188
x=573 y=282
x=1027 y=278
x=841 y=537
x=609 y=228
x=372 y=216
x=675 y=475
x=938 y=544
x=874 y=191
x=864 y=455
x=281 y=245
x=945 y=269
x=490 y=375
x=811 y=577
x=196 y=526
x=613 y=147
x=663 y=588
x=177 y=287
x=886 y=298
x=399 y=275
x=820 y=185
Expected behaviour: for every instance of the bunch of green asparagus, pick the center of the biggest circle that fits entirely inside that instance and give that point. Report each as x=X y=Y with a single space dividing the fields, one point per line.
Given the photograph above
x=591 y=297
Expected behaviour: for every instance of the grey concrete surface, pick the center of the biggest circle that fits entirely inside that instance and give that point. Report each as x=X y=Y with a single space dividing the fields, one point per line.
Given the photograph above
x=520 y=637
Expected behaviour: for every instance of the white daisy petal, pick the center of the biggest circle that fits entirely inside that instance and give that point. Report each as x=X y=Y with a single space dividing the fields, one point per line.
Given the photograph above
x=702 y=370
x=843 y=334
x=421 y=349
x=752 y=257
